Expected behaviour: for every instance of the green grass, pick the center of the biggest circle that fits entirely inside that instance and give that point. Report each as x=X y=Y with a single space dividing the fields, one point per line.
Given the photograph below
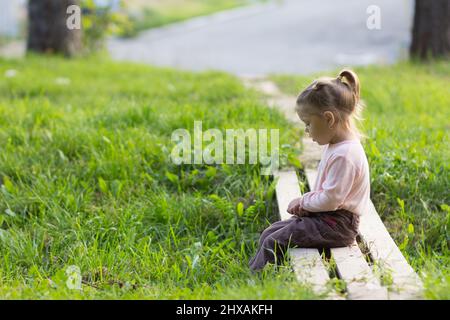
x=86 y=180
x=158 y=13
x=407 y=121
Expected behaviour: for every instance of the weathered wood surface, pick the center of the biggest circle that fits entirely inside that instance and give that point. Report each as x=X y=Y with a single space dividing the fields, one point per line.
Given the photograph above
x=306 y=262
x=352 y=267
x=406 y=284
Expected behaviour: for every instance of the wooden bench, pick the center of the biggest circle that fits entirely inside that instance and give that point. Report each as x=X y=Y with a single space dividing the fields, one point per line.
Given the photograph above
x=352 y=266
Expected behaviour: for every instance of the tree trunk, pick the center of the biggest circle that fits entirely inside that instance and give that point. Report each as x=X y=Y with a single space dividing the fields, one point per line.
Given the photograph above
x=431 y=30
x=47 y=27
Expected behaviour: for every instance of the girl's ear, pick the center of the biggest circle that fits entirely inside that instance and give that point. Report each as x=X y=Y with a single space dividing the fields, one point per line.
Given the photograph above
x=329 y=118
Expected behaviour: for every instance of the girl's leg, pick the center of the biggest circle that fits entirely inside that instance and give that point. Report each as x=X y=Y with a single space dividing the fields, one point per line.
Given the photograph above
x=307 y=232
x=272 y=228
x=272 y=246
x=269 y=230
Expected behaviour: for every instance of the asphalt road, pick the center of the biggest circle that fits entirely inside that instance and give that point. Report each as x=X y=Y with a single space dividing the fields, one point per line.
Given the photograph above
x=290 y=36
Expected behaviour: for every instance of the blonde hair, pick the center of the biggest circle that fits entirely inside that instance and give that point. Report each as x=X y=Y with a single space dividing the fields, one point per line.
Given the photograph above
x=339 y=95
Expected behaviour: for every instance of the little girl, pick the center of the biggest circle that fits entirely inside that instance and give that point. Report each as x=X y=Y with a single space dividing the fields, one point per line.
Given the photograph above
x=327 y=216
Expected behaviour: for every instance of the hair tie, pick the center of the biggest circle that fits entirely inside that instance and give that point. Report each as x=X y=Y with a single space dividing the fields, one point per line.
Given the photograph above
x=316 y=85
x=345 y=81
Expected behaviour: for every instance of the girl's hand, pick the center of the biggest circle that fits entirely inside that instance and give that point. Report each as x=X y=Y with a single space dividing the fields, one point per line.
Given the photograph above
x=294 y=206
x=295 y=209
x=302 y=213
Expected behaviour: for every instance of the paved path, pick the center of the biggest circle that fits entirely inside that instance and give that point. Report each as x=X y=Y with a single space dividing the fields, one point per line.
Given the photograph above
x=288 y=36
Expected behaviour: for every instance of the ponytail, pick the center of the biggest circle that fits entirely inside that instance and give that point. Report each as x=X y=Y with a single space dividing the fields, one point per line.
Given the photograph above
x=351 y=80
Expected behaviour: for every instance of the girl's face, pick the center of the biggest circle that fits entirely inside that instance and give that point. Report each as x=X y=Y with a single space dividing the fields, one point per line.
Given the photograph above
x=319 y=127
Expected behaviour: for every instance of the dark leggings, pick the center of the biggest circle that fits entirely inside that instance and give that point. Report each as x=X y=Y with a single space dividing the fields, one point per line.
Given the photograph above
x=315 y=230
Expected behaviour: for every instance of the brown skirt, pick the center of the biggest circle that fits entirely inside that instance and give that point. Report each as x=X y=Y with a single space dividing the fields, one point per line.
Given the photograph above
x=328 y=229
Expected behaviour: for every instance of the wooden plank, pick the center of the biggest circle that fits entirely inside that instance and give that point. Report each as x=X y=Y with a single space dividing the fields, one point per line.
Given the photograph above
x=352 y=267
x=310 y=270
x=307 y=263
x=406 y=284
x=309 y=267
x=311 y=176
x=287 y=189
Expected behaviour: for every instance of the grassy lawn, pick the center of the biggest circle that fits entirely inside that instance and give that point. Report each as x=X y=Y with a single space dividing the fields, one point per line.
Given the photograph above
x=147 y=14
x=407 y=121
x=86 y=180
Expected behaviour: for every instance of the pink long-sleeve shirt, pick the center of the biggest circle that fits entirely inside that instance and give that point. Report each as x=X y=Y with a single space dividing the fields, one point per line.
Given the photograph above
x=343 y=180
